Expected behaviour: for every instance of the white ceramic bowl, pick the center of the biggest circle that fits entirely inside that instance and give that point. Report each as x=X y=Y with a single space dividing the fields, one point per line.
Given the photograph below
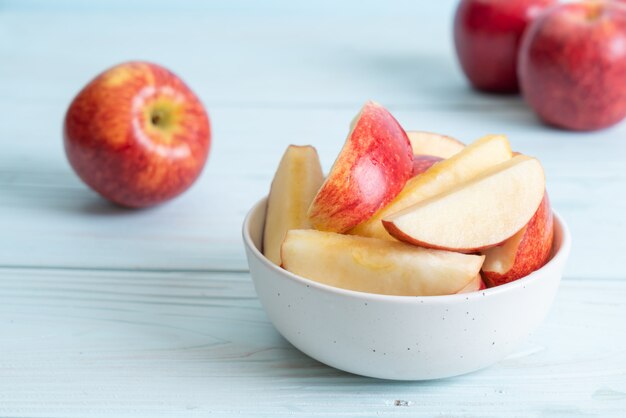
x=402 y=337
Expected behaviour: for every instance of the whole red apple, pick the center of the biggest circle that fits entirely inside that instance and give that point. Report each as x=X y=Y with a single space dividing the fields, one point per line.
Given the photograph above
x=137 y=135
x=572 y=65
x=486 y=36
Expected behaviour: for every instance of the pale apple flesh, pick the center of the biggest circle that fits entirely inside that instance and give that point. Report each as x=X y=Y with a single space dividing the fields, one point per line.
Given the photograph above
x=474 y=286
x=475 y=215
x=376 y=266
x=428 y=143
x=473 y=160
x=523 y=253
x=297 y=180
x=372 y=168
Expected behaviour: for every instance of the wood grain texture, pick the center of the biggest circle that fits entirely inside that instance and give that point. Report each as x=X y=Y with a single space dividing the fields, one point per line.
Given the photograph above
x=189 y=344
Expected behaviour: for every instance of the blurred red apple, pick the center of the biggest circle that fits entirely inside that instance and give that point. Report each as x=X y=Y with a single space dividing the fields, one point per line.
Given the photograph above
x=422 y=163
x=487 y=34
x=572 y=65
x=137 y=135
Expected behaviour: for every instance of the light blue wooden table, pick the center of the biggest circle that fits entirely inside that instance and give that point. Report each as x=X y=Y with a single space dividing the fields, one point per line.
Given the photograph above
x=108 y=312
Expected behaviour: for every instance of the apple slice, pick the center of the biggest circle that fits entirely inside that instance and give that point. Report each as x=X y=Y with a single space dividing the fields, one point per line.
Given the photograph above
x=474 y=286
x=297 y=179
x=372 y=168
x=467 y=164
x=477 y=214
x=429 y=143
x=422 y=163
x=523 y=253
x=376 y=266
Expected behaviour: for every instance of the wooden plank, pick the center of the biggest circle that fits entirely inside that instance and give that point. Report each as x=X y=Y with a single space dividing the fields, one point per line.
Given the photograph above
x=241 y=54
x=187 y=344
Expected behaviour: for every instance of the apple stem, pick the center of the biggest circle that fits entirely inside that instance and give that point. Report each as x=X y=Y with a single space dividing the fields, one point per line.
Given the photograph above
x=156 y=117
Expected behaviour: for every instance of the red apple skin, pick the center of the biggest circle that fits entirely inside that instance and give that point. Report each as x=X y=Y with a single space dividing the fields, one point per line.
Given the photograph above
x=422 y=163
x=371 y=170
x=137 y=135
x=534 y=248
x=487 y=35
x=572 y=65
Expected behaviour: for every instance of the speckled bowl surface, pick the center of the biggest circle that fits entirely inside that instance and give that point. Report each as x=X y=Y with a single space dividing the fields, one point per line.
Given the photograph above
x=402 y=337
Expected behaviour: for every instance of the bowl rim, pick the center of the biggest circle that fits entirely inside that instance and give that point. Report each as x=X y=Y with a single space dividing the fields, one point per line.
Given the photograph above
x=560 y=255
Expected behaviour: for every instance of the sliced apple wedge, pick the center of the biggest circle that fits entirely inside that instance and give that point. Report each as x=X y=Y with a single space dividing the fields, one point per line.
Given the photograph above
x=523 y=253
x=474 y=286
x=421 y=163
x=477 y=214
x=297 y=180
x=474 y=159
x=429 y=143
x=372 y=168
x=376 y=266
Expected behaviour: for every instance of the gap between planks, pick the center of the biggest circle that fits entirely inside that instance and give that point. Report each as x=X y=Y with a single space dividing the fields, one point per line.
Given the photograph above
x=122 y=269
x=26 y=268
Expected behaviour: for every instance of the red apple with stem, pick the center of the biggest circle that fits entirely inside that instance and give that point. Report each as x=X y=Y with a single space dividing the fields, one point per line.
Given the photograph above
x=137 y=135
x=572 y=65
x=487 y=35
